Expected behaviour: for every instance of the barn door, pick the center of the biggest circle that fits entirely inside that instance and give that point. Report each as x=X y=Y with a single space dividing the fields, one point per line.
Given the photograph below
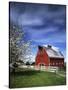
x=42 y=66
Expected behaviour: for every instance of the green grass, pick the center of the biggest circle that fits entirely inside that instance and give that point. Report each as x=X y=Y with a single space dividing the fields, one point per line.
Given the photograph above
x=32 y=78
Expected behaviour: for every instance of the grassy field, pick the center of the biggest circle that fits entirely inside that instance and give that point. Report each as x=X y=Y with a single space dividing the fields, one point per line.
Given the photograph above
x=32 y=78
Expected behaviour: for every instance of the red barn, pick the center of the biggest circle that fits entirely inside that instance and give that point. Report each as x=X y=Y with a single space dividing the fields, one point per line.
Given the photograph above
x=49 y=56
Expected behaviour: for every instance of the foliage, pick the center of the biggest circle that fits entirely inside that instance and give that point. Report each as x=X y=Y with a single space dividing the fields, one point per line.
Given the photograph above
x=18 y=47
x=15 y=36
x=27 y=63
x=33 y=63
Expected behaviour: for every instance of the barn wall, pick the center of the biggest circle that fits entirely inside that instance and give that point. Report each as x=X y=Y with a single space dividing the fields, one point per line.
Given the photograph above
x=57 y=62
x=42 y=58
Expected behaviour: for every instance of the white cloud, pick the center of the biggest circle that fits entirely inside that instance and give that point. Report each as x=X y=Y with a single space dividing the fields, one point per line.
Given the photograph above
x=27 y=19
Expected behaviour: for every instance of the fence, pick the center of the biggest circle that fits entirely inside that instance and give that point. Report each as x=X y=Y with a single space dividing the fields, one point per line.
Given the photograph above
x=41 y=68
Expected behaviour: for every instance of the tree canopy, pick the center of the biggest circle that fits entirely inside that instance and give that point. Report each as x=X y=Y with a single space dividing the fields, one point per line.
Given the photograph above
x=19 y=49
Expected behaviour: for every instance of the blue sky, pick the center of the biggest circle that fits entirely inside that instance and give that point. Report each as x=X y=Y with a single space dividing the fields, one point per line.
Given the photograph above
x=42 y=23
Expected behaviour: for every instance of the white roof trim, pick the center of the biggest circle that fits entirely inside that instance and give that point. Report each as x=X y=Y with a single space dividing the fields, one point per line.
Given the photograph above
x=53 y=52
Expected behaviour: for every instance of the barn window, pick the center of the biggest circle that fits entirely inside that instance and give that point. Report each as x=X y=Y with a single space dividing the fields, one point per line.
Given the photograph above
x=62 y=62
x=50 y=63
x=59 y=63
x=53 y=63
x=56 y=63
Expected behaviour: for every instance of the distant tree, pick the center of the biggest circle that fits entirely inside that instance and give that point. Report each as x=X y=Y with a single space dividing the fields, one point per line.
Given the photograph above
x=27 y=63
x=33 y=63
x=20 y=61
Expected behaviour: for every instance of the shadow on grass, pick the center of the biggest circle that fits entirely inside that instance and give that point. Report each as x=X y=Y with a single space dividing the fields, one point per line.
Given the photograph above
x=25 y=73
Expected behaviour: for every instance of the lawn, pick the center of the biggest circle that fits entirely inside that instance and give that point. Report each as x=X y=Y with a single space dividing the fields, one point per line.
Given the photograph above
x=32 y=78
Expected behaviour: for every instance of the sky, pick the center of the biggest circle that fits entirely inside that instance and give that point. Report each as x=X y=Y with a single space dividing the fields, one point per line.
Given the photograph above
x=43 y=24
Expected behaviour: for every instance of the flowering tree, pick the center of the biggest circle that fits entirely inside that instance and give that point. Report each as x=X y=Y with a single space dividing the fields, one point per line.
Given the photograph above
x=19 y=49
x=26 y=52
x=15 y=37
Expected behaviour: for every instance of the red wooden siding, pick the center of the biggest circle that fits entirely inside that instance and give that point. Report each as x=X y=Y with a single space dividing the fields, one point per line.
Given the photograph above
x=42 y=57
x=57 y=62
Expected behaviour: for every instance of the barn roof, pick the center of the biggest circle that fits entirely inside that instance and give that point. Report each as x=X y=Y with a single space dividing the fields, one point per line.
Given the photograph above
x=53 y=52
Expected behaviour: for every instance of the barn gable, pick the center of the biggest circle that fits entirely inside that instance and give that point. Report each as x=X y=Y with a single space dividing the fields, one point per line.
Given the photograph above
x=42 y=57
